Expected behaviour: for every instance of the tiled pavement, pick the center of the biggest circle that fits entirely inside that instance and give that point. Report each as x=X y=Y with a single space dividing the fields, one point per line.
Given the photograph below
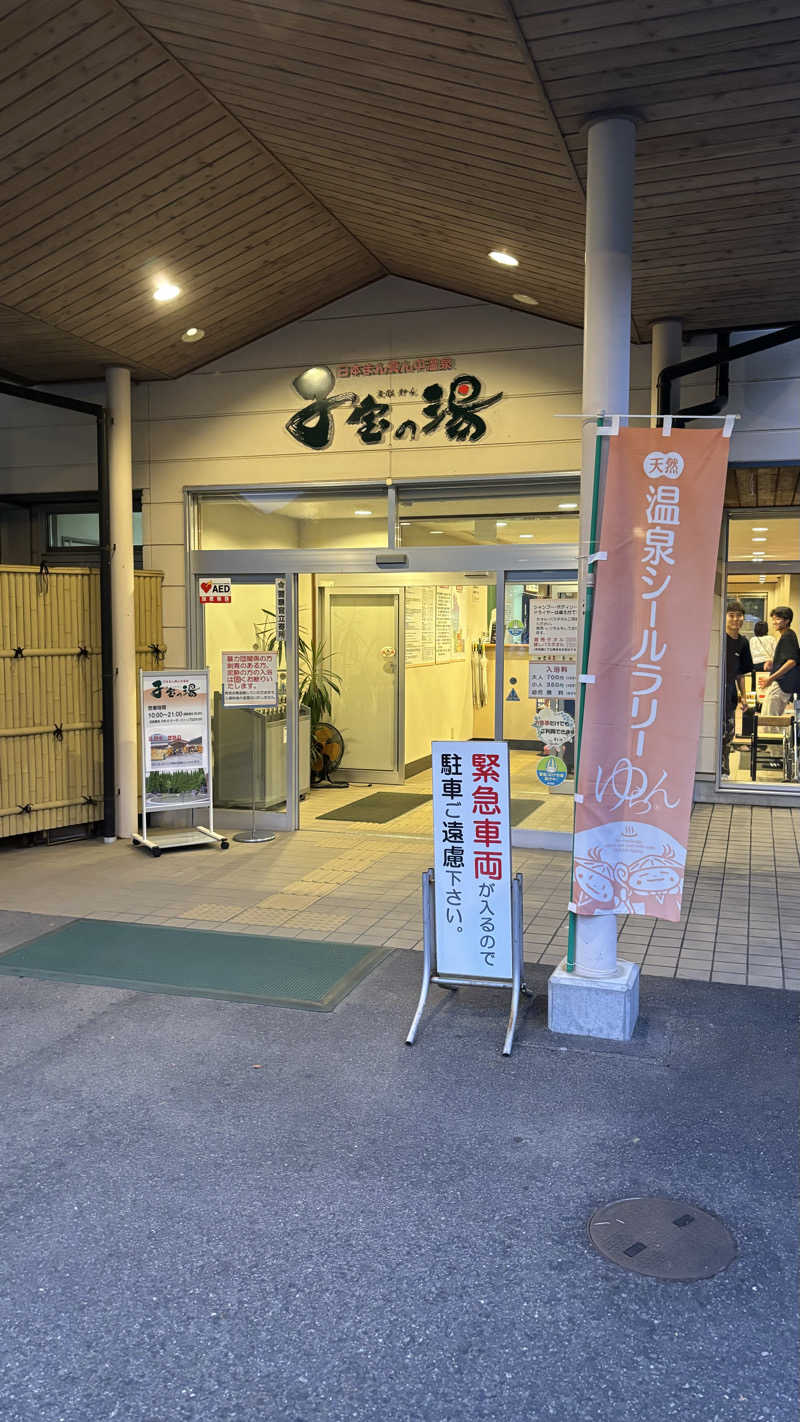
x=740 y=923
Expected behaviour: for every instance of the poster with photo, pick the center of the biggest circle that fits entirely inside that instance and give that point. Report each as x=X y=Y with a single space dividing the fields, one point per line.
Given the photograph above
x=176 y=736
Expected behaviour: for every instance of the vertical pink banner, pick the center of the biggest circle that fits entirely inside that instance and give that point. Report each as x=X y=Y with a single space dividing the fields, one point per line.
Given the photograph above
x=648 y=656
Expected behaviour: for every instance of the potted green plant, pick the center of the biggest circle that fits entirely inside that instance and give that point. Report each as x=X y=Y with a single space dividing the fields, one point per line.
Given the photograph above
x=317 y=682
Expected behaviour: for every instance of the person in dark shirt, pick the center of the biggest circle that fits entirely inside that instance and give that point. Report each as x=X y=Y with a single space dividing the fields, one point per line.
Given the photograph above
x=784 y=668
x=738 y=665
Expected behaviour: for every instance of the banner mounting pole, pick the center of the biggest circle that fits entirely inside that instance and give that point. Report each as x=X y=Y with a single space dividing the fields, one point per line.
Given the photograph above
x=585 y=642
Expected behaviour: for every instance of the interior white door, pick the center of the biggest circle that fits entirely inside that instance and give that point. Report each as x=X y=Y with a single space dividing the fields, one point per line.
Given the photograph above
x=363 y=632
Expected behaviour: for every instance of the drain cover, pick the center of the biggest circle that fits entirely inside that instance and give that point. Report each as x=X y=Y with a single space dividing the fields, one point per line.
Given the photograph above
x=667 y=1239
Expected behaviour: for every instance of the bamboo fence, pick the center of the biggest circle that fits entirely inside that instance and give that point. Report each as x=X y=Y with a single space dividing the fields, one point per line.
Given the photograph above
x=51 y=763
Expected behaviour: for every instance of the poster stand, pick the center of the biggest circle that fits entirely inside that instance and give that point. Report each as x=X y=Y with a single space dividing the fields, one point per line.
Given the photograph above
x=189 y=836
x=516 y=982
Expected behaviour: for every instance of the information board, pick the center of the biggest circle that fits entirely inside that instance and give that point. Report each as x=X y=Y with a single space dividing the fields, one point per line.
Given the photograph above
x=450 y=634
x=250 y=679
x=420 y=620
x=472 y=859
x=176 y=739
x=554 y=629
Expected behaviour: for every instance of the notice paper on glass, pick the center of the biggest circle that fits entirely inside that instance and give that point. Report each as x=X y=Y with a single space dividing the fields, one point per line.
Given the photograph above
x=250 y=679
x=554 y=628
x=552 y=681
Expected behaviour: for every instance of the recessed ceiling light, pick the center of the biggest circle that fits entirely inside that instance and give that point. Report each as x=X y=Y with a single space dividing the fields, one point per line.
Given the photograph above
x=526 y=535
x=192 y=334
x=500 y=523
x=523 y=299
x=758 y=557
x=436 y=530
x=763 y=578
x=504 y=259
x=758 y=540
x=759 y=527
x=166 y=291
x=362 y=513
x=568 y=506
x=405 y=522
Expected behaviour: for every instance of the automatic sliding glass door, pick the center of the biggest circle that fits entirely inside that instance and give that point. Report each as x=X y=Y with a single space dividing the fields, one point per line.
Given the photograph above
x=261 y=757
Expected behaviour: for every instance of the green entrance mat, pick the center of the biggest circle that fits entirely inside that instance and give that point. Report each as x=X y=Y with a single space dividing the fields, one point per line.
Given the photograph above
x=378 y=809
x=237 y=966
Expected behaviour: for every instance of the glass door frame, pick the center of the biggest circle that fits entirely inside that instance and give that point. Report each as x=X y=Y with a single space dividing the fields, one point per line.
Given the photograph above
x=550 y=563
x=289 y=818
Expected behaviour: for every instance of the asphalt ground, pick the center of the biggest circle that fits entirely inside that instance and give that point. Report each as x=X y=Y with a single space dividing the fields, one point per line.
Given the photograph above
x=234 y=1212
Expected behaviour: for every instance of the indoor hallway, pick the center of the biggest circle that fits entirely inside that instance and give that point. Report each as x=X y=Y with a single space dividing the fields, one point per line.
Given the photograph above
x=740 y=921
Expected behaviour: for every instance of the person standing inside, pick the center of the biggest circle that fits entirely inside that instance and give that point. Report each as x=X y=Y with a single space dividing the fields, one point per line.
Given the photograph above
x=762 y=646
x=784 y=666
x=738 y=665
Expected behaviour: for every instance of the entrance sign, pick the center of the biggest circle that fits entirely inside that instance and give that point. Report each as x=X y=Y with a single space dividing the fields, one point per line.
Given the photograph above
x=553 y=629
x=250 y=679
x=552 y=681
x=473 y=930
x=644 y=697
x=215 y=589
x=175 y=716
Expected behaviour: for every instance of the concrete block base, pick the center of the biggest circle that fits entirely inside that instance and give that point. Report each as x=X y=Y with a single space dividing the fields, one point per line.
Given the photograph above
x=594 y=1007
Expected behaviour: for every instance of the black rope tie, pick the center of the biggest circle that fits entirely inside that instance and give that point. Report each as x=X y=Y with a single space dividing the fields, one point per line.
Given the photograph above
x=58 y=732
x=18 y=652
x=82 y=654
x=25 y=809
x=158 y=653
x=89 y=800
x=44 y=577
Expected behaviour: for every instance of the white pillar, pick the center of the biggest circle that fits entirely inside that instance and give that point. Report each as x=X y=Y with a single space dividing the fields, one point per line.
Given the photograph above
x=666 y=349
x=120 y=478
x=606 y=383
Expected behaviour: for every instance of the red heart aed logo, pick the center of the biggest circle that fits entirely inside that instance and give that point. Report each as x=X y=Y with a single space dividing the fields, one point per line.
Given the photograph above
x=206 y=587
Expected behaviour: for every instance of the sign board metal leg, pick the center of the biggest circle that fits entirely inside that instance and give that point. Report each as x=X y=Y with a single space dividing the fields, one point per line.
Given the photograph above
x=516 y=961
x=427 y=952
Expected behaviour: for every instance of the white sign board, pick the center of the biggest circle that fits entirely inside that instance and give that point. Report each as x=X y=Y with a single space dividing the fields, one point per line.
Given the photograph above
x=214 y=589
x=280 y=610
x=176 y=740
x=552 y=681
x=249 y=678
x=553 y=632
x=472 y=859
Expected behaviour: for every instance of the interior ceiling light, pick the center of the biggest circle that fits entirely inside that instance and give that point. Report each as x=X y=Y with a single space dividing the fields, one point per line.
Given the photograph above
x=524 y=300
x=526 y=535
x=763 y=578
x=362 y=513
x=500 y=523
x=758 y=540
x=568 y=506
x=504 y=259
x=759 y=528
x=166 y=291
x=192 y=334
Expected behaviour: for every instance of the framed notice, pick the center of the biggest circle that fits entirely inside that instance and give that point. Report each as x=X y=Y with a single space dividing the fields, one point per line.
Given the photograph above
x=176 y=740
x=250 y=679
x=554 y=629
x=451 y=643
x=472 y=859
x=420 y=623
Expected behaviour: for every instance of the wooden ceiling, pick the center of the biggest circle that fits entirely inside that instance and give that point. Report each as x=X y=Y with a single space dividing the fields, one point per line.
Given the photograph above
x=271 y=155
x=748 y=488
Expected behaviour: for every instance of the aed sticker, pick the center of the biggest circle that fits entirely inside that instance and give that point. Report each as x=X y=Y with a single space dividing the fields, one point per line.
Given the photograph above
x=551 y=770
x=215 y=589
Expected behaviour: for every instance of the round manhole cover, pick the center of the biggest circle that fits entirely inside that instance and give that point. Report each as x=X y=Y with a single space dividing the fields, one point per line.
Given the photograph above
x=667 y=1239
